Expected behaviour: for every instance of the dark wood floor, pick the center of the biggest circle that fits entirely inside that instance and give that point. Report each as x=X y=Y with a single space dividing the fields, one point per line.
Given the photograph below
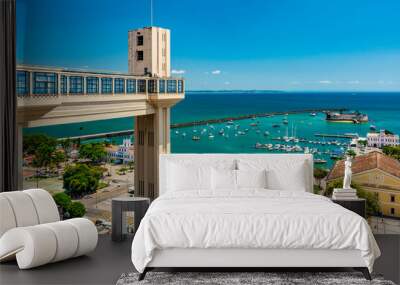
x=103 y=266
x=110 y=260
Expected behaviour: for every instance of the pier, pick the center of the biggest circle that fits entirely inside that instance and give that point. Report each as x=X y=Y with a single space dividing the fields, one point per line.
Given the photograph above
x=243 y=117
x=344 y=136
x=101 y=135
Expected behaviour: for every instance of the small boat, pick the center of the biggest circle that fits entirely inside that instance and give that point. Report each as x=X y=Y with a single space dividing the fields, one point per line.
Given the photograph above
x=183 y=134
x=313 y=114
x=221 y=131
x=230 y=122
x=266 y=133
x=177 y=132
x=372 y=127
x=253 y=124
x=196 y=138
x=275 y=126
x=258 y=145
x=258 y=131
x=285 y=121
x=210 y=136
x=319 y=161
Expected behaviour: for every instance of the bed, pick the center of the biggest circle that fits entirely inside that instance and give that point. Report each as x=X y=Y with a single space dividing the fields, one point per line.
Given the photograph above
x=247 y=211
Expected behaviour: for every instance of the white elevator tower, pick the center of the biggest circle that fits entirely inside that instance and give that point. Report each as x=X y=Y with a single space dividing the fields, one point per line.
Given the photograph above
x=149 y=52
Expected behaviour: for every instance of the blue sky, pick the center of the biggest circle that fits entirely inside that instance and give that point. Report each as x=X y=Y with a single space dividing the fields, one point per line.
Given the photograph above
x=227 y=44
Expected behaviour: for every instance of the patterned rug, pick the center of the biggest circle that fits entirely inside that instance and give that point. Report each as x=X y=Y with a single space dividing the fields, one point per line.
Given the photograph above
x=243 y=278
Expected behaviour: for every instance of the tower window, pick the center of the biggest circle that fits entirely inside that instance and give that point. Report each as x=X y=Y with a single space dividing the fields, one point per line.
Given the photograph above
x=22 y=82
x=392 y=211
x=392 y=198
x=139 y=40
x=119 y=84
x=139 y=55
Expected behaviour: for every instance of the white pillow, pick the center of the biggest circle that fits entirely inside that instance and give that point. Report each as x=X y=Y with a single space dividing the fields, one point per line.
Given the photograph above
x=183 y=178
x=224 y=179
x=290 y=176
x=282 y=174
x=251 y=178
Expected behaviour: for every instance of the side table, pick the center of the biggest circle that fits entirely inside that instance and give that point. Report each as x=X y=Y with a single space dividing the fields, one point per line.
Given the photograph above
x=138 y=205
x=358 y=205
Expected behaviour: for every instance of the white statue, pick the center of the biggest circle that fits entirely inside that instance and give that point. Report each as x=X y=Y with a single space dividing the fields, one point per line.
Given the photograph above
x=347 y=173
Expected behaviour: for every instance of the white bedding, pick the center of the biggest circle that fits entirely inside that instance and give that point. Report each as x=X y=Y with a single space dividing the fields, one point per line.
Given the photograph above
x=250 y=218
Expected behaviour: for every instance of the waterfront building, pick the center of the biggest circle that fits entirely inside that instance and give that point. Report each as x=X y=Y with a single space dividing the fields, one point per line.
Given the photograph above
x=54 y=95
x=360 y=146
x=123 y=153
x=355 y=117
x=382 y=139
x=376 y=173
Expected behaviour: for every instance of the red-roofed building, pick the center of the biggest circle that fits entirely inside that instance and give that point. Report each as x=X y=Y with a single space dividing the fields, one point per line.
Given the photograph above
x=377 y=173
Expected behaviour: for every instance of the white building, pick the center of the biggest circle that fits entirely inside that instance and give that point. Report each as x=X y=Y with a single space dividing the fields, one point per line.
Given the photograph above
x=382 y=139
x=123 y=153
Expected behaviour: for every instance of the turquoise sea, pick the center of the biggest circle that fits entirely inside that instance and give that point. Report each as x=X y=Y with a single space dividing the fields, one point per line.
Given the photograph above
x=383 y=110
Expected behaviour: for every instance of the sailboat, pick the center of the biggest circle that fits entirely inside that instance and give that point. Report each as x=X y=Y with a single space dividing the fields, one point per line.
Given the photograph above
x=295 y=139
x=286 y=137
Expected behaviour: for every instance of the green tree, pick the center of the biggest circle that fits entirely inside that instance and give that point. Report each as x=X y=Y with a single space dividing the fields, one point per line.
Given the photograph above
x=319 y=174
x=351 y=152
x=81 y=179
x=58 y=158
x=76 y=210
x=392 y=151
x=373 y=207
x=66 y=144
x=363 y=142
x=32 y=142
x=62 y=200
x=95 y=152
x=44 y=156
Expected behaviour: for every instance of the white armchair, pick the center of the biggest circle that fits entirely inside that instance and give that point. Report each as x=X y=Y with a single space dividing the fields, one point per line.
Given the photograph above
x=31 y=230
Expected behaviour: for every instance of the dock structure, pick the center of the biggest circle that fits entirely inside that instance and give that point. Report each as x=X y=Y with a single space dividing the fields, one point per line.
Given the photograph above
x=250 y=116
x=344 y=136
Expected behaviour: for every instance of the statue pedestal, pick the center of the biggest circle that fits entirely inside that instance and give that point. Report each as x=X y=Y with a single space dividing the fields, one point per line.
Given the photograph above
x=344 y=194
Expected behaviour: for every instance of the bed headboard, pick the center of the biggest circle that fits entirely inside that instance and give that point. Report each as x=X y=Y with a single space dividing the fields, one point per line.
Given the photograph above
x=194 y=158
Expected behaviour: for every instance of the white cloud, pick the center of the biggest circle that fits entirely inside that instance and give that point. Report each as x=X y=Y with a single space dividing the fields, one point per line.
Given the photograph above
x=227 y=83
x=353 y=82
x=216 y=72
x=325 y=82
x=178 y=71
